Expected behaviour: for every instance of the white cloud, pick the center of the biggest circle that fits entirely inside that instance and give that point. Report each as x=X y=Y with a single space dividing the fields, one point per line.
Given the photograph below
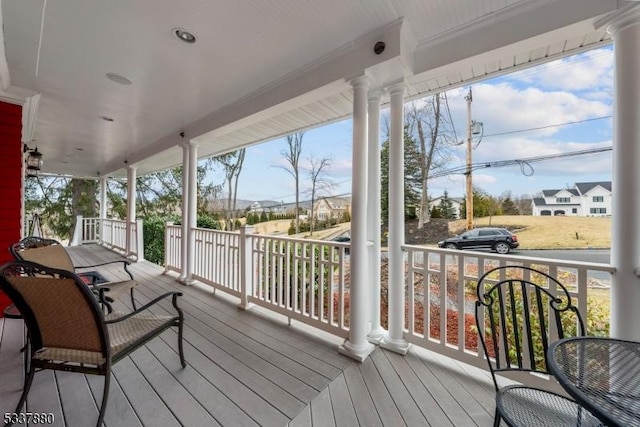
x=586 y=71
x=503 y=107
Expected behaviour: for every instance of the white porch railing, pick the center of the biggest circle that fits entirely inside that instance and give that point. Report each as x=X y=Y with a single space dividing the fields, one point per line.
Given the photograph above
x=441 y=292
x=90 y=230
x=114 y=234
x=217 y=259
x=304 y=280
x=172 y=247
x=308 y=280
x=111 y=233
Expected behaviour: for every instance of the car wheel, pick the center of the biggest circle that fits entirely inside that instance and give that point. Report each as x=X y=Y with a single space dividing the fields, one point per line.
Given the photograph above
x=451 y=246
x=502 y=248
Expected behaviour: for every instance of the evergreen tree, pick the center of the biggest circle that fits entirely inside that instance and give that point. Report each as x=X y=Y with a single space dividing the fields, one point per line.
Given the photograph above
x=446 y=207
x=411 y=176
x=509 y=207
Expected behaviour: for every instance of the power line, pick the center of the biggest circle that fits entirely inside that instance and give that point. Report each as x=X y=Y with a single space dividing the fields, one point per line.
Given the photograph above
x=453 y=127
x=523 y=163
x=549 y=126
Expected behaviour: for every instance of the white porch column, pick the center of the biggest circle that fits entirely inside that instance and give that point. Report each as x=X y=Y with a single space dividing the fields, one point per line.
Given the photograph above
x=184 y=221
x=625 y=239
x=357 y=346
x=394 y=340
x=131 y=206
x=193 y=210
x=103 y=205
x=373 y=216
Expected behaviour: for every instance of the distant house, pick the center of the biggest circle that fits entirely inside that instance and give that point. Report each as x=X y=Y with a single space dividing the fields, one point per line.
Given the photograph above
x=585 y=199
x=456 y=203
x=331 y=207
x=267 y=206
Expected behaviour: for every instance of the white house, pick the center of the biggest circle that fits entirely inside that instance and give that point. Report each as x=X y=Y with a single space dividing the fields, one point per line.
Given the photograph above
x=585 y=199
x=331 y=207
x=267 y=206
x=456 y=203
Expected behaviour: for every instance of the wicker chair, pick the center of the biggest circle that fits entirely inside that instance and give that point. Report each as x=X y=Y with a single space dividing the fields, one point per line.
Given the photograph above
x=52 y=254
x=68 y=330
x=516 y=311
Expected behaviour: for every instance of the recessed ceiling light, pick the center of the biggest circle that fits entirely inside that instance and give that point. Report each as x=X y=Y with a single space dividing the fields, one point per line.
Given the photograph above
x=117 y=78
x=184 y=35
x=107 y=119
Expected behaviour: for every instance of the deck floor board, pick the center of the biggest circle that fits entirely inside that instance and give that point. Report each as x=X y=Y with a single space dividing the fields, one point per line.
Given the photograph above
x=246 y=368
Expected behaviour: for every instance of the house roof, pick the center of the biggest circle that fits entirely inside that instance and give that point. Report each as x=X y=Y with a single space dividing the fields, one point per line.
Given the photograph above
x=585 y=187
x=552 y=193
x=336 y=202
x=106 y=86
x=269 y=203
x=539 y=201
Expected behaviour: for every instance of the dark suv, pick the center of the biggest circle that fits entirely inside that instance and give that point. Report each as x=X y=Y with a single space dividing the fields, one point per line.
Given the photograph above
x=500 y=240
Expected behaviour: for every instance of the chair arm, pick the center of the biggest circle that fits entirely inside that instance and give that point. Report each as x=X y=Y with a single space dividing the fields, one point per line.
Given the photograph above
x=149 y=304
x=126 y=263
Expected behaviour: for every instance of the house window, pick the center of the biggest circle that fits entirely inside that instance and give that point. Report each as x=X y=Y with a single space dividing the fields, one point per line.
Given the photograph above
x=574 y=210
x=598 y=210
x=598 y=198
x=563 y=199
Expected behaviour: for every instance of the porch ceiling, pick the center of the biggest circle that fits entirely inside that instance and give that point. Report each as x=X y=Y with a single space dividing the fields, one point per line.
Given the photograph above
x=258 y=70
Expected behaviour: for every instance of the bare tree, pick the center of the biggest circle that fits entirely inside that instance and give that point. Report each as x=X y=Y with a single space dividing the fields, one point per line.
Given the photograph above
x=428 y=124
x=292 y=156
x=232 y=163
x=319 y=181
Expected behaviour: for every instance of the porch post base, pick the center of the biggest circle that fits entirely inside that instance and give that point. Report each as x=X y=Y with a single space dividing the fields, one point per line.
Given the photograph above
x=246 y=306
x=185 y=281
x=359 y=353
x=400 y=346
x=376 y=336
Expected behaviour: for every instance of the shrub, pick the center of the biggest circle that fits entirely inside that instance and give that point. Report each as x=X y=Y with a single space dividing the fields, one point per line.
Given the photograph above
x=153 y=229
x=208 y=221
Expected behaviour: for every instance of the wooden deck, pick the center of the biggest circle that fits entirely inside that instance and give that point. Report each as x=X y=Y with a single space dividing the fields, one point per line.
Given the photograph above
x=247 y=368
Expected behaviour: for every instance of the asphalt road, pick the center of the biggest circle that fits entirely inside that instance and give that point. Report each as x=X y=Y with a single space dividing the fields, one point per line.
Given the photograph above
x=585 y=255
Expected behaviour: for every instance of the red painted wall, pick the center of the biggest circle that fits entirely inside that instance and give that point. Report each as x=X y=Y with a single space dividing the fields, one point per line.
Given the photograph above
x=10 y=181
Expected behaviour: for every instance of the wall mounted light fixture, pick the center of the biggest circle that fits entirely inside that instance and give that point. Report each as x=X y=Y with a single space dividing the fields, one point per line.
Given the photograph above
x=33 y=161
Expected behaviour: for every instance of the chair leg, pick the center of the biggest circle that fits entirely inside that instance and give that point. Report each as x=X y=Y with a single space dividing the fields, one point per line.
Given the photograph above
x=496 y=418
x=25 y=391
x=105 y=396
x=180 y=346
x=133 y=301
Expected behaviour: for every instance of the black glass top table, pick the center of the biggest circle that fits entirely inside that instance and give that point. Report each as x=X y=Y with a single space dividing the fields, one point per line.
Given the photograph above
x=602 y=375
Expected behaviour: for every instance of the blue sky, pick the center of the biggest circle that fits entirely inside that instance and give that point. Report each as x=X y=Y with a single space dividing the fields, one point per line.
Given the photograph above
x=572 y=89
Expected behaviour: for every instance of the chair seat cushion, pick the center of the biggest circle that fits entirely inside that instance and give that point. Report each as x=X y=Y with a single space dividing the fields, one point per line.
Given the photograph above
x=123 y=336
x=527 y=406
x=67 y=355
x=115 y=289
x=134 y=330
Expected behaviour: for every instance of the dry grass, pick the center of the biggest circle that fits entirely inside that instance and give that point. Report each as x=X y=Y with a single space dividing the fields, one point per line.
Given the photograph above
x=281 y=227
x=550 y=232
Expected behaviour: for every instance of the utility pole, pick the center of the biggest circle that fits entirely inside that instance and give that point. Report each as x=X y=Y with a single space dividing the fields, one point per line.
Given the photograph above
x=469 y=198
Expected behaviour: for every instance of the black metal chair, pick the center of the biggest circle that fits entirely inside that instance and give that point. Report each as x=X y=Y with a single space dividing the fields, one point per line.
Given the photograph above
x=518 y=310
x=51 y=253
x=68 y=330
